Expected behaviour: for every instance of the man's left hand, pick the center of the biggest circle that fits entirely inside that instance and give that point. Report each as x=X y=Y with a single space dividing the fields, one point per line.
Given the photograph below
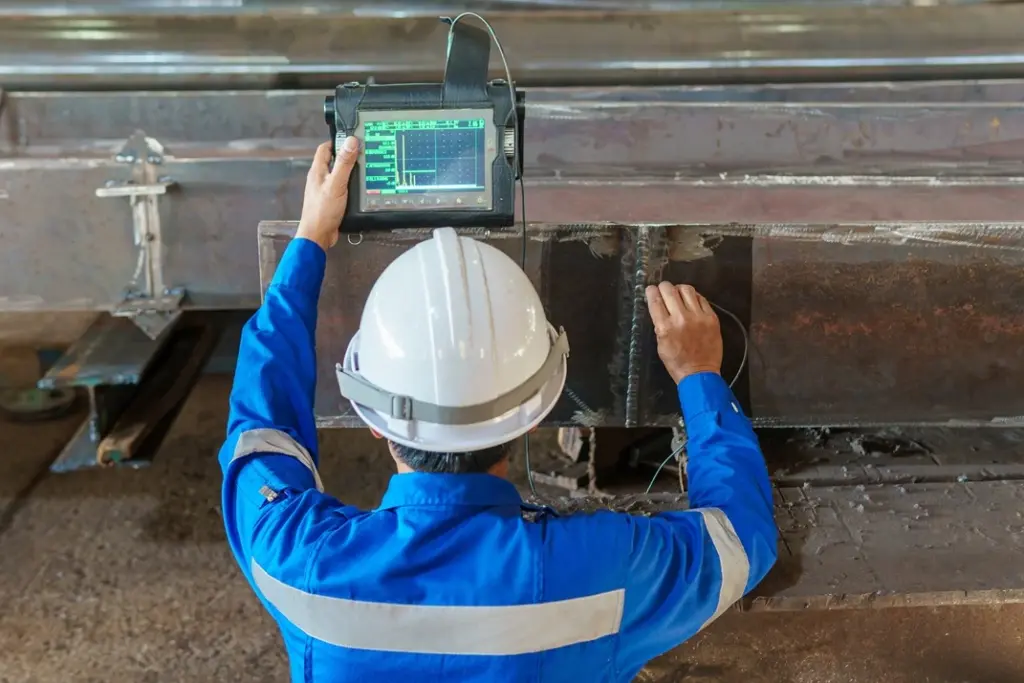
x=326 y=196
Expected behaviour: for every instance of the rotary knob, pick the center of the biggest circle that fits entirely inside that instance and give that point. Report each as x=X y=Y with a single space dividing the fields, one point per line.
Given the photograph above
x=509 y=143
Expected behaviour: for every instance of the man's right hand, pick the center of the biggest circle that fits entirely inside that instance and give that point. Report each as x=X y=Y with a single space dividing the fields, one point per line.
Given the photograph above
x=326 y=196
x=689 y=336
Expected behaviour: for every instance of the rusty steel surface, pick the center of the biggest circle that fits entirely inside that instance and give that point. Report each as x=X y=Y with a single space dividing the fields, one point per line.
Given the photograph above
x=848 y=325
x=113 y=351
x=145 y=45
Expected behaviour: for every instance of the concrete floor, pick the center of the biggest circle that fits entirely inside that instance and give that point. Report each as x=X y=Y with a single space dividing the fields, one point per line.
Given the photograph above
x=125 y=575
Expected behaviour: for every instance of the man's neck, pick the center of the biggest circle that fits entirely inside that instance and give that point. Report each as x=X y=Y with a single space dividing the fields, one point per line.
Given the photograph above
x=498 y=470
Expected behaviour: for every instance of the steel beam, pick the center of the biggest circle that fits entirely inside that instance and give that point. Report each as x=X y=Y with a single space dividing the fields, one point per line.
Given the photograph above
x=848 y=324
x=135 y=385
x=271 y=44
x=869 y=236
x=628 y=156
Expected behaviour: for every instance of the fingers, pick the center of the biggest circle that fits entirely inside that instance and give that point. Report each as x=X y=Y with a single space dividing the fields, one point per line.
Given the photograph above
x=656 y=307
x=690 y=297
x=673 y=302
x=346 y=159
x=318 y=171
x=666 y=300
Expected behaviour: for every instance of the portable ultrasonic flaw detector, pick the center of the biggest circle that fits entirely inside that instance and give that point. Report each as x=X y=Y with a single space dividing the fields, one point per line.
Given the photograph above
x=433 y=154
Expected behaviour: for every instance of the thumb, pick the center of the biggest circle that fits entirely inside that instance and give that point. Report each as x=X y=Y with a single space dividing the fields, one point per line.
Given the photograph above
x=343 y=164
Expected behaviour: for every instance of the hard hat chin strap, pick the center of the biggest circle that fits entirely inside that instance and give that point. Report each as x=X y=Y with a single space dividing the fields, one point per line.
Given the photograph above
x=358 y=390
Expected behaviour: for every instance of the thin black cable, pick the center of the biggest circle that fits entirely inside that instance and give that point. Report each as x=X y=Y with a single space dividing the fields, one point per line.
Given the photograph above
x=743 y=364
x=522 y=199
x=662 y=466
x=529 y=471
x=746 y=341
x=516 y=156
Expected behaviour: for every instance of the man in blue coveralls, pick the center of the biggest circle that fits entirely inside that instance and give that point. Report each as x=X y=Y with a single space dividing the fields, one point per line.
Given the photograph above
x=447 y=579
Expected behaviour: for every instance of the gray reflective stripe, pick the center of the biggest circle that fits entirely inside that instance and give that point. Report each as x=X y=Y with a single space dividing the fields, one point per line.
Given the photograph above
x=357 y=389
x=735 y=565
x=444 y=629
x=275 y=441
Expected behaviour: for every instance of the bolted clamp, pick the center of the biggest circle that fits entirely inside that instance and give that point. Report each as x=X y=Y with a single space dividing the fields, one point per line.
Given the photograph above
x=401 y=407
x=148 y=301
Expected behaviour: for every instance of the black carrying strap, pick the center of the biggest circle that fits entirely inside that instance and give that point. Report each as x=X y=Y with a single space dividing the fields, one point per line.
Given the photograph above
x=357 y=389
x=465 y=71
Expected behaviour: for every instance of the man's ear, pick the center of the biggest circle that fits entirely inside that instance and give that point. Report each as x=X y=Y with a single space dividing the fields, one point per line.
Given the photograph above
x=376 y=434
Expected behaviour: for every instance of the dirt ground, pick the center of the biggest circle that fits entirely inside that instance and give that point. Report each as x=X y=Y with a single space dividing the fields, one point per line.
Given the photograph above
x=125 y=575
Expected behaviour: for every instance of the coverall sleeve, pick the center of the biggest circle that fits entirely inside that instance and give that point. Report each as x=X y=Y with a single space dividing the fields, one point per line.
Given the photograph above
x=272 y=493
x=686 y=568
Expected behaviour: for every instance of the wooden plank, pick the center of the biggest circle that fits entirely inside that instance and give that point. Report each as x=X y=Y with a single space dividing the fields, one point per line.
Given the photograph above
x=160 y=395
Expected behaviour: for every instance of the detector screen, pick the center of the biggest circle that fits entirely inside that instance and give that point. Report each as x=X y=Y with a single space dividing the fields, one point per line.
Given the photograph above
x=427 y=160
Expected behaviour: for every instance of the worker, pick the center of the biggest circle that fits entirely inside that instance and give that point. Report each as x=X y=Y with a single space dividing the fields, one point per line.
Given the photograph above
x=453 y=577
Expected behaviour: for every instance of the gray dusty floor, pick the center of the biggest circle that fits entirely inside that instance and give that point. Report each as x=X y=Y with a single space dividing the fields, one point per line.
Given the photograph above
x=125 y=575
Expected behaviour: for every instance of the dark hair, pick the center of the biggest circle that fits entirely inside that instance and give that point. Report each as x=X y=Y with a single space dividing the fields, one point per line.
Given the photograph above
x=474 y=462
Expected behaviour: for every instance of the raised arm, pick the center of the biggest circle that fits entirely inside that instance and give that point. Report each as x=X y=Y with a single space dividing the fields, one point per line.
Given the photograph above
x=271 y=445
x=687 y=568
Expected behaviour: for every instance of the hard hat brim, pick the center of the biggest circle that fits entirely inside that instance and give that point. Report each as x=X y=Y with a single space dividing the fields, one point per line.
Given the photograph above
x=465 y=437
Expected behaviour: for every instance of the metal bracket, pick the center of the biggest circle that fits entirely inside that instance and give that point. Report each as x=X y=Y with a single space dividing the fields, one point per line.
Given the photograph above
x=149 y=302
x=152 y=315
x=128 y=188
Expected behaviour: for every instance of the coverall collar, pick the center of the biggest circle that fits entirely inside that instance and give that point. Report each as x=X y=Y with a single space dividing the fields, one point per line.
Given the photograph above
x=417 y=488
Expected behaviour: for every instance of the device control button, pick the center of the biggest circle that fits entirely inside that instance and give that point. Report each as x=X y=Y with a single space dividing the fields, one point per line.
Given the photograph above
x=479 y=200
x=405 y=201
x=389 y=202
x=437 y=201
x=422 y=201
x=458 y=200
x=509 y=143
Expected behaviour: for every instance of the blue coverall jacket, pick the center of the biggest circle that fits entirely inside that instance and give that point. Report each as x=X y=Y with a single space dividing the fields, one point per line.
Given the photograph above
x=447 y=580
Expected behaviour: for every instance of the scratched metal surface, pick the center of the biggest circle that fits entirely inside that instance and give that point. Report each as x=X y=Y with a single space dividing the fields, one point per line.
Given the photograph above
x=113 y=351
x=866 y=323
x=952 y=129
x=897 y=545
x=878 y=545
x=61 y=247
x=848 y=325
x=935 y=323
x=753 y=155
x=140 y=45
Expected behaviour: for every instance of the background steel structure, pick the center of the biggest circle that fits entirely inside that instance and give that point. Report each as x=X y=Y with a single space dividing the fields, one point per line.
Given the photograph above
x=868 y=233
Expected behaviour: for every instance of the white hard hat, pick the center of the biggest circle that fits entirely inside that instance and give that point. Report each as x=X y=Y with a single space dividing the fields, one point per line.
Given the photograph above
x=454 y=352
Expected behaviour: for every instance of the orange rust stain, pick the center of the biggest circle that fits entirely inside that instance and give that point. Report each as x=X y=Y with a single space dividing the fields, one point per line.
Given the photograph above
x=69 y=370
x=943 y=319
x=804 y=320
